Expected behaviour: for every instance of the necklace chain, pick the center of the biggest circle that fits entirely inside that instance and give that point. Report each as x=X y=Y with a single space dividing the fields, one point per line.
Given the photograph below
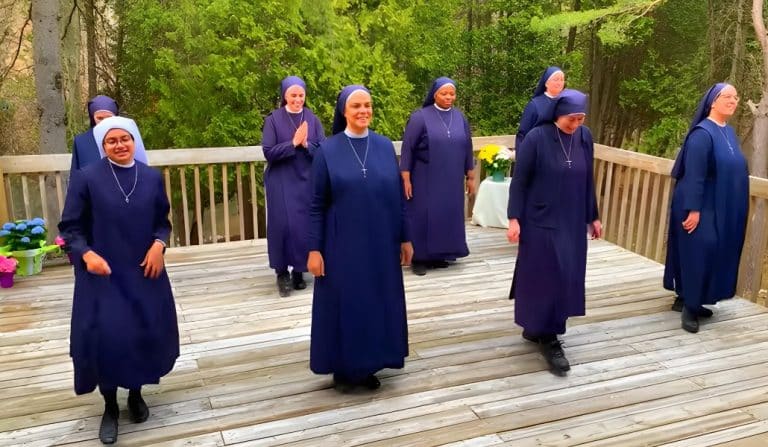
x=301 y=118
x=567 y=155
x=365 y=156
x=450 y=121
x=135 y=180
x=725 y=137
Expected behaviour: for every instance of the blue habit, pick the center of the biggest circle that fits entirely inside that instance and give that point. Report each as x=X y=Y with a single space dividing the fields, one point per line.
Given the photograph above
x=84 y=150
x=437 y=150
x=358 y=223
x=553 y=203
x=288 y=189
x=123 y=330
x=702 y=267
x=538 y=108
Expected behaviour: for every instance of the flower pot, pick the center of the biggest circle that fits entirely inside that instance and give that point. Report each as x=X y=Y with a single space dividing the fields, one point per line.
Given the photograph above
x=6 y=280
x=497 y=176
x=30 y=261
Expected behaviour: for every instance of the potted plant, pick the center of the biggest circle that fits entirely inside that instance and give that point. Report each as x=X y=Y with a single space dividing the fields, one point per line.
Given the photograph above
x=26 y=242
x=496 y=160
x=7 y=270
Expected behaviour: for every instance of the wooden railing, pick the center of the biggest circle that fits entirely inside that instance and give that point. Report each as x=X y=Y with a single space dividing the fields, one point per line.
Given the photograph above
x=633 y=190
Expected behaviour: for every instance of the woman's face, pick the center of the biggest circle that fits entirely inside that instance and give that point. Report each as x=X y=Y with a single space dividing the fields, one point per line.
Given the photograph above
x=555 y=83
x=119 y=147
x=445 y=96
x=358 y=111
x=101 y=115
x=569 y=123
x=726 y=102
x=294 y=98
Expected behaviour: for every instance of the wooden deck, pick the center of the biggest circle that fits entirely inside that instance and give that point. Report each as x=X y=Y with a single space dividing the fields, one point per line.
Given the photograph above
x=471 y=381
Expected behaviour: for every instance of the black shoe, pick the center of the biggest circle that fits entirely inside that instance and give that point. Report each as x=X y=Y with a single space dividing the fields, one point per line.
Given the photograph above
x=703 y=312
x=552 y=350
x=371 y=382
x=138 y=409
x=438 y=264
x=690 y=321
x=284 y=284
x=530 y=337
x=108 y=427
x=419 y=269
x=677 y=306
x=298 y=281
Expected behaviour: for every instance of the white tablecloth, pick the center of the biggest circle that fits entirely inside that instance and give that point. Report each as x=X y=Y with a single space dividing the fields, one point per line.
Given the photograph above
x=490 y=208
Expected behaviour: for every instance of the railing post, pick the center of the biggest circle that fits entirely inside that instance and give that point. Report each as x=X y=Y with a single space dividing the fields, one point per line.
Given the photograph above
x=4 y=211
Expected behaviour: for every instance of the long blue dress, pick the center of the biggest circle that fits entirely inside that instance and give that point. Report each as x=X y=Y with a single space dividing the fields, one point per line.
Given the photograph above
x=358 y=224
x=123 y=330
x=438 y=163
x=702 y=267
x=84 y=150
x=554 y=203
x=538 y=107
x=287 y=185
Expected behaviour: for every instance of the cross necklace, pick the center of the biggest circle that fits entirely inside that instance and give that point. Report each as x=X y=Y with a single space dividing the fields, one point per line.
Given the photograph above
x=135 y=180
x=450 y=121
x=725 y=137
x=362 y=162
x=567 y=155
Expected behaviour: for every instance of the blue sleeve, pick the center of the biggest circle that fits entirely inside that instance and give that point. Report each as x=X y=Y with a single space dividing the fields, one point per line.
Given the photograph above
x=320 y=201
x=698 y=148
x=75 y=158
x=591 y=199
x=469 y=160
x=273 y=149
x=526 y=122
x=415 y=130
x=162 y=209
x=525 y=163
x=317 y=135
x=76 y=218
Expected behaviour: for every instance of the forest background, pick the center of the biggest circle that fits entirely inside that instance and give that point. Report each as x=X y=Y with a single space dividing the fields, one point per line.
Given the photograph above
x=205 y=73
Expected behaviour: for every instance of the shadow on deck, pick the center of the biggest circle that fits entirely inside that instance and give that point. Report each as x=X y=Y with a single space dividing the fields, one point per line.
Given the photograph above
x=243 y=375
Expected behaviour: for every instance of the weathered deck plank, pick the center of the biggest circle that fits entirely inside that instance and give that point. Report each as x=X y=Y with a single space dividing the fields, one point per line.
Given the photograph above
x=471 y=381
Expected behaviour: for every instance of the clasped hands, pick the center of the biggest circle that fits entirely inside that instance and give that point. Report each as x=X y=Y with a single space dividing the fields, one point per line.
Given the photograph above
x=301 y=135
x=153 y=262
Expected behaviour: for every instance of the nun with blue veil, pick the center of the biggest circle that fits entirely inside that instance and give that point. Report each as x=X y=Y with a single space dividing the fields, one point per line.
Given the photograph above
x=541 y=105
x=123 y=328
x=552 y=207
x=708 y=216
x=436 y=158
x=358 y=240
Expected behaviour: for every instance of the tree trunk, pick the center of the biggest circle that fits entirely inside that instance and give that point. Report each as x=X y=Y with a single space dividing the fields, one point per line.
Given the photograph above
x=48 y=78
x=572 y=31
x=90 y=32
x=756 y=239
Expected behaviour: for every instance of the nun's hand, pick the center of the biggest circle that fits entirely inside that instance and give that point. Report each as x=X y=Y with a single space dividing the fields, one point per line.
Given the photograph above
x=407 y=187
x=300 y=137
x=513 y=233
x=596 y=229
x=406 y=253
x=315 y=263
x=153 y=262
x=692 y=221
x=96 y=264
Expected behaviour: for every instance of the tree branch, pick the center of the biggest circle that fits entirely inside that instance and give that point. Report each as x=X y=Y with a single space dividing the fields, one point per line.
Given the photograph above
x=18 y=47
x=69 y=20
x=759 y=25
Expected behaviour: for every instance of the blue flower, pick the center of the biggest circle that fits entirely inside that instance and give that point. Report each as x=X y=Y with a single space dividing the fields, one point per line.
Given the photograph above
x=4 y=232
x=8 y=226
x=36 y=221
x=21 y=227
x=25 y=240
x=37 y=230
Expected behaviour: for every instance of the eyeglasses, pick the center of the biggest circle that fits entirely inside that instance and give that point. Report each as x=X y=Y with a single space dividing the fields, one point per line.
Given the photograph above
x=729 y=97
x=113 y=142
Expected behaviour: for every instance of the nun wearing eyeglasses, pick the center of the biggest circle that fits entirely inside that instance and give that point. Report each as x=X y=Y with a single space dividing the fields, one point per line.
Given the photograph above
x=358 y=241
x=436 y=158
x=84 y=148
x=123 y=328
x=290 y=136
x=541 y=105
x=708 y=217
x=552 y=208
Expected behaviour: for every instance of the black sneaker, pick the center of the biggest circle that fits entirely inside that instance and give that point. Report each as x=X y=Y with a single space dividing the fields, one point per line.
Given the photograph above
x=530 y=337
x=690 y=321
x=138 y=409
x=677 y=306
x=371 y=382
x=108 y=427
x=297 y=279
x=419 y=269
x=438 y=264
x=552 y=351
x=284 y=284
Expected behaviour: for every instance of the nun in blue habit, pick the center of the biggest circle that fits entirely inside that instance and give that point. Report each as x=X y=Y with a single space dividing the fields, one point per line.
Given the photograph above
x=84 y=148
x=115 y=222
x=436 y=157
x=541 y=105
x=708 y=216
x=290 y=136
x=358 y=241
x=552 y=207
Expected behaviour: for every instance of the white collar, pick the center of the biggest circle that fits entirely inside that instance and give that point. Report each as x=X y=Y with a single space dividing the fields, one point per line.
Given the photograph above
x=442 y=109
x=549 y=96
x=717 y=122
x=129 y=165
x=293 y=113
x=351 y=134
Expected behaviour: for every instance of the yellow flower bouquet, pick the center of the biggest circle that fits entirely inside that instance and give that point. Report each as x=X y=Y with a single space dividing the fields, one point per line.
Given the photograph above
x=496 y=160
